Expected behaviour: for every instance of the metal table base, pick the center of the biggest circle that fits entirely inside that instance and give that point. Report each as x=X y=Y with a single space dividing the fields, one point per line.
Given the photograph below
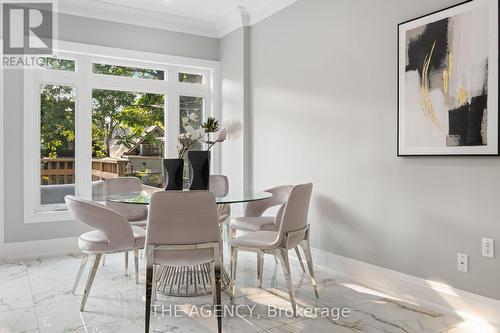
x=188 y=281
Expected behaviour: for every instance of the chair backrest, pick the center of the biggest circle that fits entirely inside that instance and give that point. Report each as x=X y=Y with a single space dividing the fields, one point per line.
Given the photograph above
x=293 y=215
x=219 y=185
x=114 y=225
x=122 y=185
x=182 y=218
x=280 y=196
x=54 y=194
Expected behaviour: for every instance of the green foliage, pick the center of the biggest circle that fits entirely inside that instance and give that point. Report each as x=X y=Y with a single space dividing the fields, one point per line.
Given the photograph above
x=57 y=121
x=122 y=116
x=139 y=73
x=211 y=125
x=190 y=78
x=116 y=115
x=58 y=64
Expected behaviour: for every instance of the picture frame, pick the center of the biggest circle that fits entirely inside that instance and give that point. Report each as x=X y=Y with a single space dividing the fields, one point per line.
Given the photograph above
x=448 y=82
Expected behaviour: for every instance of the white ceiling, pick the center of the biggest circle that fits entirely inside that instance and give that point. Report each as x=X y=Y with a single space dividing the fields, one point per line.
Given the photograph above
x=207 y=10
x=213 y=18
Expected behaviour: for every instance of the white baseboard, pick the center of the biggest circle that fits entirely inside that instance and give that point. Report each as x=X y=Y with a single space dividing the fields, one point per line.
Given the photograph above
x=36 y=249
x=442 y=298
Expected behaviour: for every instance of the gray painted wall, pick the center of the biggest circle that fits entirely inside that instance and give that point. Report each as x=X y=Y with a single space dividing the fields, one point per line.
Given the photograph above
x=324 y=110
x=235 y=89
x=232 y=53
x=81 y=30
x=84 y=30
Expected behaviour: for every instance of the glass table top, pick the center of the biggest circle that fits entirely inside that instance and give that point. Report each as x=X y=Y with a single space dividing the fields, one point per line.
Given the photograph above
x=234 y=196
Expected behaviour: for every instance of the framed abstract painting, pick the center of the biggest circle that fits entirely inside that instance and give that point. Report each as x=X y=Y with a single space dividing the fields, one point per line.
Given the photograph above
x=448 y=82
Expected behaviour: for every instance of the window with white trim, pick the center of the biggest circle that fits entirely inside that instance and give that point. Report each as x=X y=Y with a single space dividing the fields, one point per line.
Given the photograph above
x=92 y=113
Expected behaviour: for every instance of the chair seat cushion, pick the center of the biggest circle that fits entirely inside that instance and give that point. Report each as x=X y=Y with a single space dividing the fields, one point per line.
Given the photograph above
x=96 y=241
x=264 y=240
x=260 y=223
x=139 y=237
x=141 y=224
x=131 y=212
x=184 y=258
x=93 y=241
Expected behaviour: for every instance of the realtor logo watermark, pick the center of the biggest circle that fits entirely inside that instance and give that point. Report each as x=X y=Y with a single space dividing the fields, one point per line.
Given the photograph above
x=29 y=30
x=247 y=311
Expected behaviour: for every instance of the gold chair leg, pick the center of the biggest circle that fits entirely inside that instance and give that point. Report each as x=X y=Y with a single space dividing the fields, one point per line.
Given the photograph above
x=83 y=263
x=90 y=280
x=136 y=265
x=306 y=247
x=234 y=262
x=149 y=285
x=299 y=257
x=260 y=268
x=282 y=255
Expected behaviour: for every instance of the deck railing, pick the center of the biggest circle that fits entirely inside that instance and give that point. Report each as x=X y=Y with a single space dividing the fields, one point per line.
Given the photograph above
x=61 y=170
x=105 y=168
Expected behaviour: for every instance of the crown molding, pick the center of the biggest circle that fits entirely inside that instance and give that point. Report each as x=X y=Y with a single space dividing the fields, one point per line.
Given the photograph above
x=232 y=21
x=269 y=8
x=227 y=23
x=142 y=17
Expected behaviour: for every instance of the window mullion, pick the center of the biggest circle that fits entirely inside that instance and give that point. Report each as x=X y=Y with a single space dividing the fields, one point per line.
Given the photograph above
x=173 y=123
x=126 y=84
x=172 y=116
x=84 y=131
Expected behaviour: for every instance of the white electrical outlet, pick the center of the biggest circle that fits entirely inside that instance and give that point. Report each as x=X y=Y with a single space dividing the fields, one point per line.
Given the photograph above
x=463 y=263
x=488 y=249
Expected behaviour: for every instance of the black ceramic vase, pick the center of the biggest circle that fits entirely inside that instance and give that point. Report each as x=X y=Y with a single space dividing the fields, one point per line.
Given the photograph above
x=173 y=172
x=199 y=161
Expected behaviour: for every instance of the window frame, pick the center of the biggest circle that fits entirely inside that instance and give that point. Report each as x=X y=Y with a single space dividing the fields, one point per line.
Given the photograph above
x=84 y=81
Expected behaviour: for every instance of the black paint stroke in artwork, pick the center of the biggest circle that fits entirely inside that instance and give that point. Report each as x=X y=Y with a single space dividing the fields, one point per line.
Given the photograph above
x=465 y=122
x=419 y=47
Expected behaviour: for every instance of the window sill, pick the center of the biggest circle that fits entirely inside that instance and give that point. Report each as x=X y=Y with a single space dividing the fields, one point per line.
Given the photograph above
x=48 y=216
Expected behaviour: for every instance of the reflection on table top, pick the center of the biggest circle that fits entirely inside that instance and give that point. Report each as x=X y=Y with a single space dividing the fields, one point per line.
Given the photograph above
x=234 y=196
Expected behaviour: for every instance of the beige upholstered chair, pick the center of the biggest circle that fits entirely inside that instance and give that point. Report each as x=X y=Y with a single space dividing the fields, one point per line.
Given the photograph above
x=219 y=186
x=113 y=234
x=293 y=231
x=254 y=219
x=136 y=214
x=183 y=230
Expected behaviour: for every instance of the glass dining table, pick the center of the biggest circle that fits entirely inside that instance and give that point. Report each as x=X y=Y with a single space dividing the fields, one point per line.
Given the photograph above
x=182 y=281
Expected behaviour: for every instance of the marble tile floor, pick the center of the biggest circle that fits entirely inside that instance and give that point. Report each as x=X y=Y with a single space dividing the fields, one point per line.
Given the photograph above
x=35 y=296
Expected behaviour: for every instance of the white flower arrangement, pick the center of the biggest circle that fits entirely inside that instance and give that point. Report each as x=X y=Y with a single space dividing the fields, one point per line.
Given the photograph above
x=230 y=130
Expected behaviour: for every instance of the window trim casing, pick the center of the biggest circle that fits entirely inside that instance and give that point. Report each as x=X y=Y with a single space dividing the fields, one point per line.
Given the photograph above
x=84 y=80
